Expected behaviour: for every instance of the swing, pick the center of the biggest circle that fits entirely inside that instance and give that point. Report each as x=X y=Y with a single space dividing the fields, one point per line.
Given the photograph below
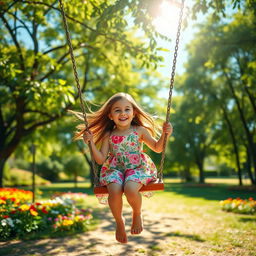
x=157 y=185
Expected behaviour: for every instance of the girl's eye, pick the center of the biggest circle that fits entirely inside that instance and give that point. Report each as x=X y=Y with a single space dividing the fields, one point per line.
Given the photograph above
x=117 y=110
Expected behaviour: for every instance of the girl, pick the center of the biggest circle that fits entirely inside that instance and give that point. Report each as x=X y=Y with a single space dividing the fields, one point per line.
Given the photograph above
x=120 y=127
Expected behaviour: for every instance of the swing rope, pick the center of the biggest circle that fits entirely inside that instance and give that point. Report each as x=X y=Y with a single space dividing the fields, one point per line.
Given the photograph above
x=160 y=173
x=71 y=51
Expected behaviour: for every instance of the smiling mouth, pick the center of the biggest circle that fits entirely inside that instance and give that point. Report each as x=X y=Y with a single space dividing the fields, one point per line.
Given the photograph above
x=123 y=119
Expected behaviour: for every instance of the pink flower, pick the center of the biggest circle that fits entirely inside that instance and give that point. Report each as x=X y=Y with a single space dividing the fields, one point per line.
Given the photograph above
x=130 y=172
x=143 y=157
x=117 y=139
x=134 y=159
x=113 y=161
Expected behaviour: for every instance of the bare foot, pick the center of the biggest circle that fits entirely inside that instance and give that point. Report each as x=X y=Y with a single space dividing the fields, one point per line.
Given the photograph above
x=120 y=232
x=137 y=224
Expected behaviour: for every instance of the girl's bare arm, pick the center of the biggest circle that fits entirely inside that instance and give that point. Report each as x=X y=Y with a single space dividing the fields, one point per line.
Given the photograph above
x=152 y=143
x=99 y=155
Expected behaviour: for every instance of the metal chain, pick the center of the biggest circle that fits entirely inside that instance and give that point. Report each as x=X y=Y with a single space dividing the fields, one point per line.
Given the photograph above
x=160 y=173
x=96 y=178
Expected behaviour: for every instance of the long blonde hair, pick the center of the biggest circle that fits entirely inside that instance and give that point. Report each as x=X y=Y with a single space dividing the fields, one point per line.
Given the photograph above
x=100 y=124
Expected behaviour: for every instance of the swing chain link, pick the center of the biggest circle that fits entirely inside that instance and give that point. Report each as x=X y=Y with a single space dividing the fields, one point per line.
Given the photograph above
x=71 y=52
x=160 y=173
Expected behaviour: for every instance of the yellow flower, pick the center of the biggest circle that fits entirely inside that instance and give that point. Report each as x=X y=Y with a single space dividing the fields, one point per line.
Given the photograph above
x=77 y=218
x=33 y=213
x=67 y=222
x=24 y=207
x=2 y=201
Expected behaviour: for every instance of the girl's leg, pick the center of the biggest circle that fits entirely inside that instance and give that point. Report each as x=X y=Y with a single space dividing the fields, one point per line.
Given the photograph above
x=115 y=202
x=131 y=190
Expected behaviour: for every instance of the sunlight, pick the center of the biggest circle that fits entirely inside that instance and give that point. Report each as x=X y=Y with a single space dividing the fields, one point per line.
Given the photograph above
x=167 y=20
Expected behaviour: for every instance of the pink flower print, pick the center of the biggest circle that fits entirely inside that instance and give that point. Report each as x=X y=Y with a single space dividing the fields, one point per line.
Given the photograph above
x=143 y=158
x=117 y=139
x=132 y=144
x=113 y=161
x=104 y=168
x=148 y=180
x=134 y=159
x=130 y=172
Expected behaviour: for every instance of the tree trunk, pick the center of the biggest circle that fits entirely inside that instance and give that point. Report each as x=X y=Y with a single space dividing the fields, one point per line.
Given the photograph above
x=199 y=156
x=249 y=136
x=249 y=167
x=5 y=153
x=236 y=151
x=201 y=172
x=2 y=164
x=75 y=179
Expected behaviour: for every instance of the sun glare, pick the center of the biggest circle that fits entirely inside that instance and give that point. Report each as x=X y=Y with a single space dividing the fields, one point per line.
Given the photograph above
x=167 y=20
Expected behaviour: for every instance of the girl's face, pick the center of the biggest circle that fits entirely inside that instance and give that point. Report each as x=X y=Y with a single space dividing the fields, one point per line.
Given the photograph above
x=122 y=113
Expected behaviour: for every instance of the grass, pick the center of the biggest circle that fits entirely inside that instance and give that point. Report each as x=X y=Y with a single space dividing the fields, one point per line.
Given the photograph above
x=198 y=226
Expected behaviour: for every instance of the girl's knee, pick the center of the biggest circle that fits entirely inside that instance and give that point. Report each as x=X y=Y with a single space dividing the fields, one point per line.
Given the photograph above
x=131 y=191
x=115 y=190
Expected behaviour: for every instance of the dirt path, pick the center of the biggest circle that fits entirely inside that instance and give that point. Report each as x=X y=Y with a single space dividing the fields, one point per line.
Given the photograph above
x=164 y=234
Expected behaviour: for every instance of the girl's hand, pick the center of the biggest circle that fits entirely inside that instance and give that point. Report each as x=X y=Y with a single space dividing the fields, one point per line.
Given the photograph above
x=167 y=128
x=88 y=137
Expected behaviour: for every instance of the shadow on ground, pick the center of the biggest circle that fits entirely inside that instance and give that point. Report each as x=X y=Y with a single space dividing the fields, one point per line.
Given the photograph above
x=102 y=241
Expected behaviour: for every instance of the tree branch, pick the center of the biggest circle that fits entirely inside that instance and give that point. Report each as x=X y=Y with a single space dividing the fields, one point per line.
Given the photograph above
x=22 y=22
x=54 y=49
x=14 y=38
x=60 y=60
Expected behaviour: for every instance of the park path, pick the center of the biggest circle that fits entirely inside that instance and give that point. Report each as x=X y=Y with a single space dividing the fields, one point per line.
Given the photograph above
x=153 y=240
x=164 y=234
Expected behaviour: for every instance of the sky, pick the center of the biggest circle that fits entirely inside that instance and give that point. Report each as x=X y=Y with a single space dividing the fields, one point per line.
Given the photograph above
x=167 y=24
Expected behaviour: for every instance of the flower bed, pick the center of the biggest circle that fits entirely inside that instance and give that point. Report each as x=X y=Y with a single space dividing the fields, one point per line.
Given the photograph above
x=238 y=205
x=18 y=217
x=75 y=197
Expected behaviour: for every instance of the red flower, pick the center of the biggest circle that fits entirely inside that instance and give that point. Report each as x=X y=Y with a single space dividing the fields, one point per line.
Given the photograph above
x=117 y=139
x=44 y=210
x=32 y=207
x=6 y=216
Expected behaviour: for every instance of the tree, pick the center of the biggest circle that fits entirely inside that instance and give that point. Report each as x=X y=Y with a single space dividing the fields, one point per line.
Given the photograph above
x=36 y=81
x=75 y=166
x=224 y=76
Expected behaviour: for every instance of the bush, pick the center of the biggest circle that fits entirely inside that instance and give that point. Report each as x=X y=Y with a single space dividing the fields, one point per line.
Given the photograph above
x=19 y=218
x=49 y=169
x=18 y=177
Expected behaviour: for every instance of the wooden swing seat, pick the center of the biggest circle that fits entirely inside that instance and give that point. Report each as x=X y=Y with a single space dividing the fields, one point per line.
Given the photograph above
x=152 y=186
